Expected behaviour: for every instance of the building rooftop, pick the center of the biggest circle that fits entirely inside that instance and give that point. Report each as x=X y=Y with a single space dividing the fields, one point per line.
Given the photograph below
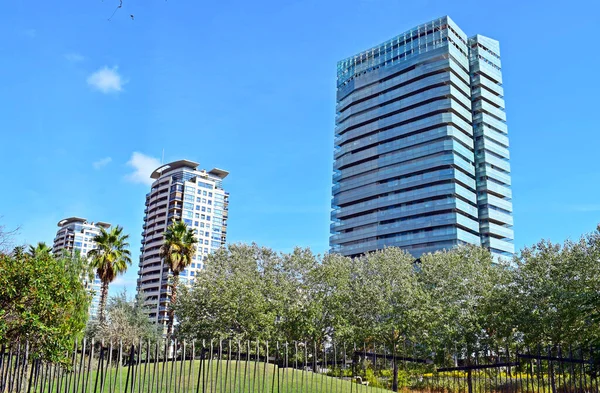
x=219 y=173
x=173 y=165
x=73 y=220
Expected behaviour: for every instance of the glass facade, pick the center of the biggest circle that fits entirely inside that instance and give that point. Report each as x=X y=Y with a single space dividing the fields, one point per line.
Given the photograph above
x=417 y=158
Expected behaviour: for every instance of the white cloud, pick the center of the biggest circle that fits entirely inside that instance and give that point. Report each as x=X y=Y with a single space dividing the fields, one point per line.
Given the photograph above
x=143 y=166
x=102 y=162
x=106 y=80
x=123 y=283
x=74 y=57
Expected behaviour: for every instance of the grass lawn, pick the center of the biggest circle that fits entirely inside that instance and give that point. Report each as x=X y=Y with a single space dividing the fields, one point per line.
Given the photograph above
x=216 y=376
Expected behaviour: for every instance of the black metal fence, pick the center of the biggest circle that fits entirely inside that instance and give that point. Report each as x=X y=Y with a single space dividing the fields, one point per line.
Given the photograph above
x=220 y=366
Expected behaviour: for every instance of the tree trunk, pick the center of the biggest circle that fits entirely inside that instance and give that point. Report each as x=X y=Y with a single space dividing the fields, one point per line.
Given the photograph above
x=172 y=303
x=395 y=370
x=552 y=377
x=103 y=297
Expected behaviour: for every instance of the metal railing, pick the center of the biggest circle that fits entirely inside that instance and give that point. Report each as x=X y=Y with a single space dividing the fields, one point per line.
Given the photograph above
x=218 y=366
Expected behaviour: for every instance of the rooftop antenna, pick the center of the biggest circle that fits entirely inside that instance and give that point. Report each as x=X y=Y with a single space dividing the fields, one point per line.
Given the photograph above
x=162 y=160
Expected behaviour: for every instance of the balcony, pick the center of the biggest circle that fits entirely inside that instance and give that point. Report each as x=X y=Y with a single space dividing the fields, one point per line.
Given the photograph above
x=166 y=291
x=174 y=215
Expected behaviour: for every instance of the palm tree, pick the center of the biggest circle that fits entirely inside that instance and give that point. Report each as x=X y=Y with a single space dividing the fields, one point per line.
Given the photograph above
x=110 y=259
x=177 y=250
x=41 y=249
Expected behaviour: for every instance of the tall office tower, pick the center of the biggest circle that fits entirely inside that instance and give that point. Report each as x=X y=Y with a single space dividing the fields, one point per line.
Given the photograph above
x=492 y=167
x=180 y=191
x=77 y=235
x=420 y=158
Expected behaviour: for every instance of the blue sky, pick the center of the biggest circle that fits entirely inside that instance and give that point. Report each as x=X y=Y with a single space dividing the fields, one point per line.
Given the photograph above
x=87 y=106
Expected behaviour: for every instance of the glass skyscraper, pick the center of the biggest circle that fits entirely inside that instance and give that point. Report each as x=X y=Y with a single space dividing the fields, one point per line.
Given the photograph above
x=421 y=156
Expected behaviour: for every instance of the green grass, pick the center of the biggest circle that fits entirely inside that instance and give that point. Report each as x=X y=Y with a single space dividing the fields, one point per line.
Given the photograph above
x=217 y=376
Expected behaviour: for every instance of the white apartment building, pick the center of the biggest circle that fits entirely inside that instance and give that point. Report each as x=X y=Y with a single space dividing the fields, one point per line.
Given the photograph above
x=77 y=234
x=180 y=191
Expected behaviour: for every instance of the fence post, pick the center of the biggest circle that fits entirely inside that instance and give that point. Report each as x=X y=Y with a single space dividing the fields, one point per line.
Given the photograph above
x=129 y=363
x=100 y=365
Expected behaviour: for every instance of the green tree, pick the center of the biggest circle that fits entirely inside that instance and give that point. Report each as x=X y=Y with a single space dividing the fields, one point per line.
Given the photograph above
x=233 y=297
x=291 y=293
x=178 y=249
x=39 y=249
x=316 y=310
x=110 y=258
x=127 y=321
x=43 y=301
x=556 y=296
x=462 y=284
x=387 y=303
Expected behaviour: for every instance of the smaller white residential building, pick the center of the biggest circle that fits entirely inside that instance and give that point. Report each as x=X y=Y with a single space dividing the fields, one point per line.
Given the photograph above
x=77 y=234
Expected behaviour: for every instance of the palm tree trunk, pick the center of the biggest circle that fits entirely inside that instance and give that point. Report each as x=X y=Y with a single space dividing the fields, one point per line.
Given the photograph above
x=103 y=297
x=173 y=299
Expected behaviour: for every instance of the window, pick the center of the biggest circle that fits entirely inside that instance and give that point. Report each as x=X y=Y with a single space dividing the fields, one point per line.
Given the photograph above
x=206 y=242
x=210 y=194
x=195 y=223
x=203 y=209
x=197 y=215
x=208 y=211
x=77 y=244
x=188 y=214
x=198 y=200
x=188 y=222
x=197 y=207
x=206 y=234
x=206 y=250
x=204 y=193
x=188 y=198
x=207 y=218
x=203 y=200
x=201 y=225
x=188 y=206
x=209 y=202
x=203 y=216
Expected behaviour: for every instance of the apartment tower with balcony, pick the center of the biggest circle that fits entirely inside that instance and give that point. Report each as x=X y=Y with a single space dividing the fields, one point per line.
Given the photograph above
x=421 y=157
x=180 y=191
x=76 y=235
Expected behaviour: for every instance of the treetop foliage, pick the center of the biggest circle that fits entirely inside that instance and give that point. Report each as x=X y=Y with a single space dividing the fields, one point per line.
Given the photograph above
x=43 y=301
x=447 y=301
